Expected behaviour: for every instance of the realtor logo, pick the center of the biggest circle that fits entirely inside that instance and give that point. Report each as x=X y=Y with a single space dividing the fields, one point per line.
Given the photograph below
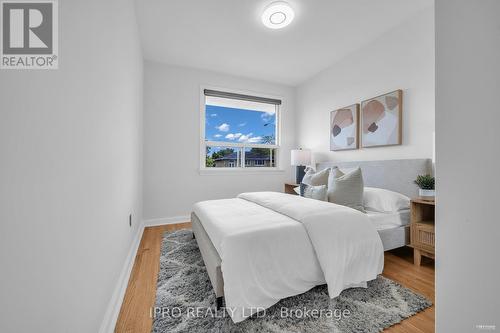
x=29 y=34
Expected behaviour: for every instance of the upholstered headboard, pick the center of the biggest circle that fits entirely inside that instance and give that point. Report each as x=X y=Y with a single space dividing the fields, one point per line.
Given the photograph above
x=394 y=175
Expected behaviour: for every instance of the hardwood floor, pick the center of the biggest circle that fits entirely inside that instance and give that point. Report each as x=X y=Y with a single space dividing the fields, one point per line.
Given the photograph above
x=399 y=267
x=134 y=314
x=140 y=295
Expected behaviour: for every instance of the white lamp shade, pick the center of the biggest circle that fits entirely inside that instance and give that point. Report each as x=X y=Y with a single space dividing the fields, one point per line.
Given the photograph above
x=301 y=157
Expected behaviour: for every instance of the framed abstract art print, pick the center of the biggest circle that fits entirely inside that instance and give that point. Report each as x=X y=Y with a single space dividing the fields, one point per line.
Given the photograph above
x=344 y=128
x=381 y=120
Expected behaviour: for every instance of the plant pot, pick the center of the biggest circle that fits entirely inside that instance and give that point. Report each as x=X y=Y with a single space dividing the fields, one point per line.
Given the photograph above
x=427 y=193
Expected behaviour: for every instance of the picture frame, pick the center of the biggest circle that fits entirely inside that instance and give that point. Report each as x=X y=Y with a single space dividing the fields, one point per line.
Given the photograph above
x=381 y=120
x=344 y=128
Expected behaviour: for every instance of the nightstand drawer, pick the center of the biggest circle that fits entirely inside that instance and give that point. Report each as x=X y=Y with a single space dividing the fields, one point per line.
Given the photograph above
x=423 y=236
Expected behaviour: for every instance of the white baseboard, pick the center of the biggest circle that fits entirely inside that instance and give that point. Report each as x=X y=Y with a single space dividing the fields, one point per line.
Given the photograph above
x=113 y=310
x=167 y=220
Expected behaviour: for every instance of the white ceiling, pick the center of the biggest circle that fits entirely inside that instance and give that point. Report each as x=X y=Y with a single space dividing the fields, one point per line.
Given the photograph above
x=227 y=35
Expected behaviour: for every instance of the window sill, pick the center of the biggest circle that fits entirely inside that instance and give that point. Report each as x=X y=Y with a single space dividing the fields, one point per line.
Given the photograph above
x=239 y=171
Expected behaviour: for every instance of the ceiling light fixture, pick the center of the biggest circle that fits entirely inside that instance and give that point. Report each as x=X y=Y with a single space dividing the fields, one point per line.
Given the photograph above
x=277 y=15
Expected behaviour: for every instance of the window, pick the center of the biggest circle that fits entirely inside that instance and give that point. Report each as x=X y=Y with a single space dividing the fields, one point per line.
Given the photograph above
x=240 y=132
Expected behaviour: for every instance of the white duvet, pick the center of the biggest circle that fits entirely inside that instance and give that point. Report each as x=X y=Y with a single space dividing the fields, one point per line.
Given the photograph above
x=275 y=245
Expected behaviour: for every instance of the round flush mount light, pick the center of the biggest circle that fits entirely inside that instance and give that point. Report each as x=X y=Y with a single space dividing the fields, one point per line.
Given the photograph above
x=277 y=15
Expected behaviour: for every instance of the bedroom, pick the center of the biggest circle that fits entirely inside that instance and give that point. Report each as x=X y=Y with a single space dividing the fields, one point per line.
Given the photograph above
x=183 y=166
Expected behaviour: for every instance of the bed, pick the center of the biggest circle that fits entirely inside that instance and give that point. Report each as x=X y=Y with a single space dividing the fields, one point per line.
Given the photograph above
x=261 y=247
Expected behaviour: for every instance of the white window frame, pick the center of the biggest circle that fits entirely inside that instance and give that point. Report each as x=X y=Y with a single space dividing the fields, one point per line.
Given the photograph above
x=243 y=168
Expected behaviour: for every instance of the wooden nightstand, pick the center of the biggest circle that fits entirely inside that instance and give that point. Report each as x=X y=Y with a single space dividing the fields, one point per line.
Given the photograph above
x=289 y=188
x=422 y=229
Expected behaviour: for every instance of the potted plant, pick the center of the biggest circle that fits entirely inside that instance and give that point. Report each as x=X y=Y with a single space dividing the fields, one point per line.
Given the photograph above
x=426 y=186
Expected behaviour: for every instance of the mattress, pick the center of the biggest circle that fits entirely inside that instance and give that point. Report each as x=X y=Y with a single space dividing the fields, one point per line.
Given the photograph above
x=383 y=221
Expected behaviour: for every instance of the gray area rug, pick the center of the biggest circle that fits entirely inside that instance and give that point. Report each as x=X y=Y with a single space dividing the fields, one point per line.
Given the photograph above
x=185 y=301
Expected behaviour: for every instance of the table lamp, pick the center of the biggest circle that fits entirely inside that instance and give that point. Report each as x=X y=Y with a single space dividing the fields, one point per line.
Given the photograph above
x=300 y=159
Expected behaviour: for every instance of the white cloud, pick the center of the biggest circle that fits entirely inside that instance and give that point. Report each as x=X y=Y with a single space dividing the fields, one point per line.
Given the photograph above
x=267 y=116
x=242 y=124
x=249 y=138
x=257 y=139
x=217 y=135
x=234 y=136
x=223 y=128
x=244 y=138
x=213 y=115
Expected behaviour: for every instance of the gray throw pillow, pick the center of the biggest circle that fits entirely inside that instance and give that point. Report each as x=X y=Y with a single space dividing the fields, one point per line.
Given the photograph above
x=335 y=172
x=316 y=178
x=314 y=192
x=346 y=189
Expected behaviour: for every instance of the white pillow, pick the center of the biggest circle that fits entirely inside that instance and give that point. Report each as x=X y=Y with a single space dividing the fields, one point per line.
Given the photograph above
x=315 y=192
x=384 y=201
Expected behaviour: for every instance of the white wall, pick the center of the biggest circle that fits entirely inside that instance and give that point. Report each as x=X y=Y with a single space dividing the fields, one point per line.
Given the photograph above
x=467 y=164
x=70 y=172
x=403 y=58
x=172 y=183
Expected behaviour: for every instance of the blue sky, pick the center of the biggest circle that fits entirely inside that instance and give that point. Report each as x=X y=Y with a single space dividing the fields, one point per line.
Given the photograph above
x=237 y=125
